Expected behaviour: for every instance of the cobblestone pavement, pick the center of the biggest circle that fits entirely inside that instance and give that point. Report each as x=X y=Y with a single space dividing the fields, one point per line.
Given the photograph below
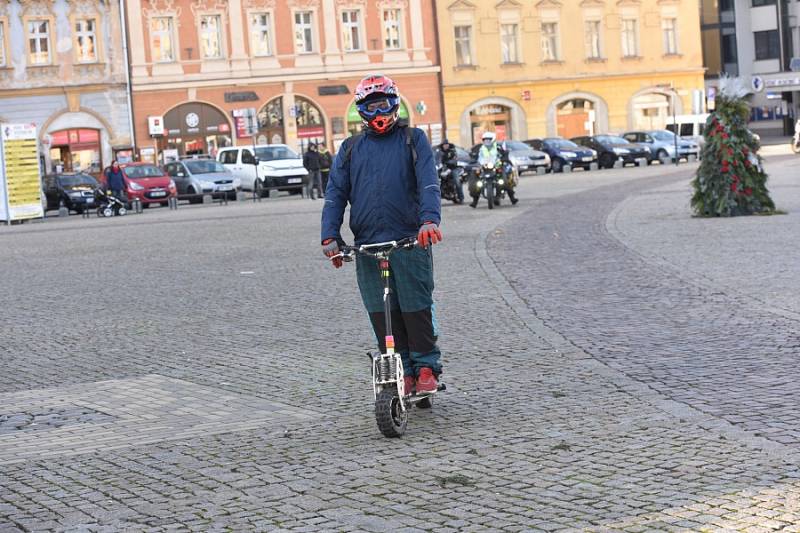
x=204 y=370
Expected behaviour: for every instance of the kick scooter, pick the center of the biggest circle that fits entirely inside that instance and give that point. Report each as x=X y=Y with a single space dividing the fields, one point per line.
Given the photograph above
x=392 y=401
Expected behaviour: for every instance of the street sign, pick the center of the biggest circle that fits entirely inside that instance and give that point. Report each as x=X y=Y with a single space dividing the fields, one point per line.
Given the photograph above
x=20 y=184
x=757 y=84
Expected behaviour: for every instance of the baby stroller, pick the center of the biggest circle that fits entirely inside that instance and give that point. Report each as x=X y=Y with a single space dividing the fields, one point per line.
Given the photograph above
x=108 y=205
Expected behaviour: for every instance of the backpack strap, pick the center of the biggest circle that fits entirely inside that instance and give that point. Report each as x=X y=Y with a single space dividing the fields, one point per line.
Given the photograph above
x=351 y=141
x=410 y=144
x=348 y=150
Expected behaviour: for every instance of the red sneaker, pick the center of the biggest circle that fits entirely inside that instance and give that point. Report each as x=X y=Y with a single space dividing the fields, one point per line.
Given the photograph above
x=408 y=381
x=426 y=382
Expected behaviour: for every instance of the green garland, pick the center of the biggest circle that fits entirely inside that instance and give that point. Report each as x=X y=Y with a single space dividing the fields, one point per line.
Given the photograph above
x=730 y=180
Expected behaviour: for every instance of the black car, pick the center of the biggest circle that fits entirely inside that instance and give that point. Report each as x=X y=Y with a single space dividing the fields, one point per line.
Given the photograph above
x=611 y=148
x=74 y=189
x=563 y=152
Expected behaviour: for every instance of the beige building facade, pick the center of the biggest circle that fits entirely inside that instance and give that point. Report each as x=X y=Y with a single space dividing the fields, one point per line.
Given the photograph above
x=567 y=68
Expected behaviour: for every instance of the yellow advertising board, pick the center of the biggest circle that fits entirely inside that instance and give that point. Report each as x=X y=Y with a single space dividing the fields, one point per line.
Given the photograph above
x=20 y=183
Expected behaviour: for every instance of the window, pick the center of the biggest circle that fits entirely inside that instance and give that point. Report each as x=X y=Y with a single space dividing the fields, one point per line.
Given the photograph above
x=261 y=32
x=508 y=43
x=391 y=29
x=670 y=31
x=759 y=3
x=86 y=37
x=39 y=42
x=303 y=36
x=767 y=45
x=2 y=45
x=630 y=38
x=210 y=37
x=463 y=45
x=592 y=32
x=229 y=157
x=161 y=33
x=351 y=41
x=550 y=41
x=248 y=158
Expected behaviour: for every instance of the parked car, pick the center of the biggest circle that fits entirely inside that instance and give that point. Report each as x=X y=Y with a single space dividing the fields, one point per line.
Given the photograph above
x=147 y=183
x=612 y=148
x=197 y=177
x=563 y=152
x=74 y=189
x=662 y=144
x=272 y=166
x=689 y=127
x=526 y=159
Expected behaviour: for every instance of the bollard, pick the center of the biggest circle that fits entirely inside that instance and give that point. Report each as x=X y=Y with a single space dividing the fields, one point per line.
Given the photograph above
x=541 y=171
x=641 y=162
x=86 y=213
x=207 y=199
x=63 y=211
x=619 y=163
x=593 y=166
x=241 y=196
x=173 y=202
x=692 y=158
x=136 y=206
x=566 y=168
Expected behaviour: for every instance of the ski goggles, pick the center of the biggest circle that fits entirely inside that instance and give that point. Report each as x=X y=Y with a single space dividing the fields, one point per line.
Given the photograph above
x=378 y=105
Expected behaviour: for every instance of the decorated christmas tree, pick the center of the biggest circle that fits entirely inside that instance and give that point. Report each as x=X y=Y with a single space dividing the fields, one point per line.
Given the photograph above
x=730 y=180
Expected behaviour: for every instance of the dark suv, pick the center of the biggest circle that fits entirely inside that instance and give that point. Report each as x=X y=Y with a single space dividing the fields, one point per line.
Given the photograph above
x=74 y=189
x=563 y=152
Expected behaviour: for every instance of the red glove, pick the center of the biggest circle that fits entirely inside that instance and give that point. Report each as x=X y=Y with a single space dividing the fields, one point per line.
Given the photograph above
x=330 y=248
x=429 y=233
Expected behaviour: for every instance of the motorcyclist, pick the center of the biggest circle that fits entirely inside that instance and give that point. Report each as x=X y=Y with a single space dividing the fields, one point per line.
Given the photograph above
x=449 y=158
x=387 y=175
x=489 y=147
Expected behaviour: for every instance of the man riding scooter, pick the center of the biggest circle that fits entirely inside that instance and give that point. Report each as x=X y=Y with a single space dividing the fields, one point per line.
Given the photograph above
x=490 y=148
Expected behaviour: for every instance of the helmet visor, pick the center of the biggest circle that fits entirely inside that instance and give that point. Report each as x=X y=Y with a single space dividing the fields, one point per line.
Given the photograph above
x=372 y=107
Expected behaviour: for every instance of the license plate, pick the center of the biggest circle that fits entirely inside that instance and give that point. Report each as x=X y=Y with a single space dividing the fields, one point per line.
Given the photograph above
x=90 y=200
x=225 y=188
x=158 y=194
x=295 y=180
x=586 y=159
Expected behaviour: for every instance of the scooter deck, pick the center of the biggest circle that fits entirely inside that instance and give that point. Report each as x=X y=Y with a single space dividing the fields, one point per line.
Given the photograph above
x=413 y=398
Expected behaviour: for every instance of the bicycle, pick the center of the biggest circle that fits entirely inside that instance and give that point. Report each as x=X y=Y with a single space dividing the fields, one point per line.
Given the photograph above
x=391 y=400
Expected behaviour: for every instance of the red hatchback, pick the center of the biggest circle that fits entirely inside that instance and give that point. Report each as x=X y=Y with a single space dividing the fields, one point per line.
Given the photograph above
x=147 y=182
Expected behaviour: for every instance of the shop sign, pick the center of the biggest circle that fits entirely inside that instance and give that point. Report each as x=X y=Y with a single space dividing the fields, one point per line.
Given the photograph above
x=421 y=107
x=155 y=125
x=20 y=182
x=241 y=96
x=246 y=122
x=782 y=82
x=489 y=110
x=526 y=95
x=314 y=131
x=192 y=120
x=757 y=84
x=331 y=90
x=175 y=133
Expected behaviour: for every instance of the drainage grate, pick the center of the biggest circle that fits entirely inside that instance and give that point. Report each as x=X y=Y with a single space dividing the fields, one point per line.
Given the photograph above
x=51 y=419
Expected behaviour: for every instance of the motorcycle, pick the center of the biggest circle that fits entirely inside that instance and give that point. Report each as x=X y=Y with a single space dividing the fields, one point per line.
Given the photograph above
x=450 y=183
x=491 y=178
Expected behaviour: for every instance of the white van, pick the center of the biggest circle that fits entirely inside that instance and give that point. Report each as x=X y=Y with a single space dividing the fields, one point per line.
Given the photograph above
x=690 y=127
x=273 y=166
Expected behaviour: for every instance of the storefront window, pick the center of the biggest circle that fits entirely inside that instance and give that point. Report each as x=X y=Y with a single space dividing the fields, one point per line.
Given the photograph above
x=491 y=117
x=76 y=150
x=194 y=128
x=270 y=123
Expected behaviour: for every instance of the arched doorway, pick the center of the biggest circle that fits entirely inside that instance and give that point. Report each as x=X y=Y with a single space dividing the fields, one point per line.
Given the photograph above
x=575 y=118
x=577 y=113
x=649 y=109
x=490 y=117
x=310 y=122
x=354 y=119
x=76 y=150
x=270 y=123
x=501 y=115
x=194 y=128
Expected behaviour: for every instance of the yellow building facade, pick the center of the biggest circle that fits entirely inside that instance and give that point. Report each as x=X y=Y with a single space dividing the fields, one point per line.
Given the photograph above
x=567 y=68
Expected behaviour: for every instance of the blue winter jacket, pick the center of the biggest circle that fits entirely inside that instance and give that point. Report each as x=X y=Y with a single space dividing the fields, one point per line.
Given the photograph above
x=389 y=198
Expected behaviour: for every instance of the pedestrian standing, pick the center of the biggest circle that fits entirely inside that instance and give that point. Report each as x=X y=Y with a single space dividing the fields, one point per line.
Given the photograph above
x=311 y=160
x=115 y=181
x=325 y=163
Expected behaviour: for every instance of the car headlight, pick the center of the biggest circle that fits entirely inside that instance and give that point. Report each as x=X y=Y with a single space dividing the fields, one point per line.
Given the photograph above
x=135 y=186
x=569 y=154
x=620 y=151
x=594 y=153
x=647 y=149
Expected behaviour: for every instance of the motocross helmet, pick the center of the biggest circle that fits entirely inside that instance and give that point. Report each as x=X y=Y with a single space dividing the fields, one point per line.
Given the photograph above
x=488 y=138
x=378 y=103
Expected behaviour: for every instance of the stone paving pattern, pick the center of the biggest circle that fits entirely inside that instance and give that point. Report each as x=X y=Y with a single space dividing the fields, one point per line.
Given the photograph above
x=552 y=421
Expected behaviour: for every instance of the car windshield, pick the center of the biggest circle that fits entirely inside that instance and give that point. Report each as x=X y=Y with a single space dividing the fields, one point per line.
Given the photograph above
x=561 y=144
x=517 y=145
x=271 y=153
x=663 y=135
x=611 y=139
x=78 y=180
x=143 y=171
x=204 y=166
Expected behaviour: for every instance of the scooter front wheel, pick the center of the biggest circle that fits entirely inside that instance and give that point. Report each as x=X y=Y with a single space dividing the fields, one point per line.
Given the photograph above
x=389 y=414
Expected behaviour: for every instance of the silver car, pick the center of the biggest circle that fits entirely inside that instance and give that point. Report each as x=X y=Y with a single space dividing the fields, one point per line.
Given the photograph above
x=197 y=177
x=526 y=159
x=662 y=144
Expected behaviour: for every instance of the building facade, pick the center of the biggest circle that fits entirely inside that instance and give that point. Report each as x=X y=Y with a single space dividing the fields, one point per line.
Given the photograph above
x=62 y=67
x=198 y=64
x=758 y=40
x=546 y=68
